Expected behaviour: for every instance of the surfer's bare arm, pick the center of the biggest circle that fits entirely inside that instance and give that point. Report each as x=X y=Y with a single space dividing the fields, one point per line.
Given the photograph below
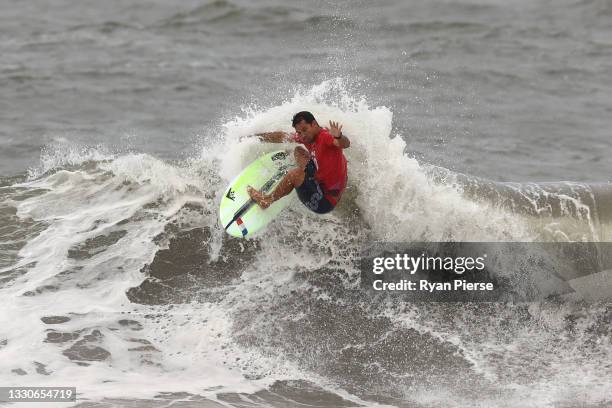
x=274 y=137
x=341 y=141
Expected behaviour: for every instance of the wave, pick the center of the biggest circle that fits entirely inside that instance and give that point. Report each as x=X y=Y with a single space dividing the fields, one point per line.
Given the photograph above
x=116 y=277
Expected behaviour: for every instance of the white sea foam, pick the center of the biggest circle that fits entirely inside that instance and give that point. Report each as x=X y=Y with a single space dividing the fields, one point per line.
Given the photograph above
x=85 y=193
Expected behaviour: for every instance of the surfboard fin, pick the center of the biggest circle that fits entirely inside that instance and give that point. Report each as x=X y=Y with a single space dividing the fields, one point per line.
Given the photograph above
x=241 y=211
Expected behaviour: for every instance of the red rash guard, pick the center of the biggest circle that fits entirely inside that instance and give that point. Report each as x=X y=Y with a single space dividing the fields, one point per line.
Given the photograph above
x=330 y=162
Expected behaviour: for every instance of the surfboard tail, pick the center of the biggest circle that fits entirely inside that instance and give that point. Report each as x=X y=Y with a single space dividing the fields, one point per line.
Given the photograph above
x=241 y=211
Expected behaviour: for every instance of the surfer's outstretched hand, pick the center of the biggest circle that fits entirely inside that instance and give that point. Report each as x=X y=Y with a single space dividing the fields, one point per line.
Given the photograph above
x=335 y=129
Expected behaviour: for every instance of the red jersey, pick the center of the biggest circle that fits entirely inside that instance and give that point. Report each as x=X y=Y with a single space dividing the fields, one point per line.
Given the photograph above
x=330 y=162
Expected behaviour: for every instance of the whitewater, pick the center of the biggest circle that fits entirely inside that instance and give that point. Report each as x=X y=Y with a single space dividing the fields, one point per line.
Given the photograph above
x=116 y=278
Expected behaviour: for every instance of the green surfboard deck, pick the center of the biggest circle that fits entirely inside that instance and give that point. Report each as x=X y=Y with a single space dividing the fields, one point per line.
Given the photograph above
x=266 y=171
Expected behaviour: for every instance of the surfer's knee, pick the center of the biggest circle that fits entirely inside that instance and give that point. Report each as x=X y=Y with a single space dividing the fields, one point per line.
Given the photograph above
x=301 y=156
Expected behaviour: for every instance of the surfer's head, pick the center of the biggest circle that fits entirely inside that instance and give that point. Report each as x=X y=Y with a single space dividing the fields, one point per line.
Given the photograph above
x=306 y=126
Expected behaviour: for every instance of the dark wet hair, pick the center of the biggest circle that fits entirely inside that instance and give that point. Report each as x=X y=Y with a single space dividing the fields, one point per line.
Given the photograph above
x=302 y=116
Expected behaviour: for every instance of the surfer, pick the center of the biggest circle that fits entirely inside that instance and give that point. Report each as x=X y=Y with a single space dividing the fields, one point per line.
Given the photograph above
x=320 y=175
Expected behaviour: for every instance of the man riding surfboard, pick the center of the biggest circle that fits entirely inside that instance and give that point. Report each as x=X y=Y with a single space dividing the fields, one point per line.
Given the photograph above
x=320 y=176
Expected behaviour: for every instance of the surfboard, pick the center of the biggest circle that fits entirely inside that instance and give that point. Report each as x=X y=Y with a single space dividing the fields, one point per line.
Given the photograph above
x=239 y=215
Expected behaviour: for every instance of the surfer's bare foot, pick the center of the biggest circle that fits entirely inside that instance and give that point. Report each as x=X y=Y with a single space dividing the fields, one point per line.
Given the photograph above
x=261 y=200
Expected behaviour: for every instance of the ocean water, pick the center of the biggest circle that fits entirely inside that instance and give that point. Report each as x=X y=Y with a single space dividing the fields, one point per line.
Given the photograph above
x=122 y=123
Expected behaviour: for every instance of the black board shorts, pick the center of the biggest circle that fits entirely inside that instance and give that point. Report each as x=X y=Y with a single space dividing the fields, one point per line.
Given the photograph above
x=310 y=192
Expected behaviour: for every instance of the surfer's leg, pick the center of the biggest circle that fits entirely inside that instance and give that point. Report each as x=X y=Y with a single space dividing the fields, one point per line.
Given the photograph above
x=302 y=157
x=293 y=178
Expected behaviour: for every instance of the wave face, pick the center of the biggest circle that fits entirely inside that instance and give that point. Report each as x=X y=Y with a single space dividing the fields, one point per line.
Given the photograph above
x=116 y=278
